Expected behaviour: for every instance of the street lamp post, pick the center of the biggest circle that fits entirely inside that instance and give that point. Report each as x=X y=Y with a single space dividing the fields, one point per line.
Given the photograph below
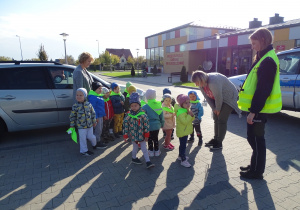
x=20 y=46
x=137 y=56
x=217 y=37
x=110 y=61
x=65 y=38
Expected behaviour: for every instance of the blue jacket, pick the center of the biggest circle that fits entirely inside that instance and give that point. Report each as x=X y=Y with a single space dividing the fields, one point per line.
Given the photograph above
x=116 y=102
x=156 y=121
x=97 y=103
x=196 y=108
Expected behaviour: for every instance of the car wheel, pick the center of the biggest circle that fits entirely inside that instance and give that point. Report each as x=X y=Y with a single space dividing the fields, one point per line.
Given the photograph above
x=57 y=79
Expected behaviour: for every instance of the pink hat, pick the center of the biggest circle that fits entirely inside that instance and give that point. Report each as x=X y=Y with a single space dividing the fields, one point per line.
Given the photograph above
x=181 y=98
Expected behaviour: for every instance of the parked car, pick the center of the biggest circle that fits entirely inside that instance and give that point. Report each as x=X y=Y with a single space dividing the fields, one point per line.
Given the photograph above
x=289 y=79
x=31 y=97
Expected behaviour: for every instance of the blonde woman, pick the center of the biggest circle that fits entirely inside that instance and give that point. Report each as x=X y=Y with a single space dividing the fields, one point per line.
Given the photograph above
x=260 y=95
x=81 y=77
x=221 y=96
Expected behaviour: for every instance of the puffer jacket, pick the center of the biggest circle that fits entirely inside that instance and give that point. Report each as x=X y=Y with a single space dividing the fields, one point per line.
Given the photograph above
x=169 y=119
x=97 y=103
x=82 y=115
x=184 y=123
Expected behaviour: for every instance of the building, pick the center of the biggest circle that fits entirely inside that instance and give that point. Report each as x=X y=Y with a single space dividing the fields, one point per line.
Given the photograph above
x=195 y=44
x=122 y=53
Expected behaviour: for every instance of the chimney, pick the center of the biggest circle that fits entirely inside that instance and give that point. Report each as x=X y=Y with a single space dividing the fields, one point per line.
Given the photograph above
x=276 y=19
x=254 y=23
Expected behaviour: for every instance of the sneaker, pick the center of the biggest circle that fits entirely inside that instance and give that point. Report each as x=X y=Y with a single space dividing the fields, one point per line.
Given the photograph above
x=151 y=153
x=172 y=137
x=172 y=145
x=87 y=153
x=100 y=145
x=210 y=143
x=191 y=140
x=185 y=164
x=251 y=175
x=216 y=147
x=186 y=158
x=245 y=168
x=200 y=142
x=136 y=161
x=168 y=147
x=111 y=137
x=157 y=153
x=149 y=164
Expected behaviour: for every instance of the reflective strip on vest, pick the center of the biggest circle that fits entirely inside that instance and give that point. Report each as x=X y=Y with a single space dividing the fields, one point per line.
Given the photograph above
x=274 y=102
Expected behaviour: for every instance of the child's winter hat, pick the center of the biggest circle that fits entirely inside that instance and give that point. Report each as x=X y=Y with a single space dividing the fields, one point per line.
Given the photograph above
x=83 y=90
x=181 y=98
x=167 y=90
x=167 y=95
x=135 y=98
x=195 y=93
x=104 y=90
x=150 y=94
x=114 y=85
x=131 y=88
x=96 y=85
x=128 y=84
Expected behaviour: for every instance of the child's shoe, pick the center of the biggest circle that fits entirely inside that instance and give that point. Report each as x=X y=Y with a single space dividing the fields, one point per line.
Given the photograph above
x=200 y=142
x=168 y=147
x=191 y=140
x=149 y=164
x=111 y=137
x=87 y=153
x=186 y=158
x=136 y=161
x=172 y=145
x=157 y=153
x=120 y=133
x=185 y=164
x=151 y=153
x=117 y=135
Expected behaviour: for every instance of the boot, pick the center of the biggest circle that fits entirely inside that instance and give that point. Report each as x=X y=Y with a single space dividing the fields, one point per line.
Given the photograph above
x=191 y=140
x=200 y=142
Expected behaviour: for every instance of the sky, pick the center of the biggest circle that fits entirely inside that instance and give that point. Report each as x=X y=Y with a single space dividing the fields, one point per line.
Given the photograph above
x=116 y=23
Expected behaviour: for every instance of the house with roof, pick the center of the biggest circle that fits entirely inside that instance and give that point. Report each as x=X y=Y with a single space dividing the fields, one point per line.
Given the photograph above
x=122 y=53
x=225 y=49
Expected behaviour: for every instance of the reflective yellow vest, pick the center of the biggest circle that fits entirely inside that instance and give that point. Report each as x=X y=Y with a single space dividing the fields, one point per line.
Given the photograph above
x=274 y=102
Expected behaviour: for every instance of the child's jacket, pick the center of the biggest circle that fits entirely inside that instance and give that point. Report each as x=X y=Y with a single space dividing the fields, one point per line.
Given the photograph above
x=184 y=122
x=156 y=120
x=197 y=110
x=116 y=99
x=109 y=111
x=169 y=117
x=136 y=126
x=82 y=115
x=97 y=103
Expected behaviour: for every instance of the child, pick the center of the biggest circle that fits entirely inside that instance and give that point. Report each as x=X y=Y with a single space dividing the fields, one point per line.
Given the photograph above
x=197 y=110
x=117 y=100
x=98 y=105
x=184 y=125
x=136 y=129
x=167 y=90
x=83 y=117
x=107 y=120
x=169 y=116
x=153 y=109
x=126 y=89
x=131 y=89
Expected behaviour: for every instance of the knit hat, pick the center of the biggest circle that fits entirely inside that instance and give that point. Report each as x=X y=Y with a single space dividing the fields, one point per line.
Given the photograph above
x=114 y=85
x=150 y=94
x=167 y=90
x=131 y=88
x=128 y=84
x=104 y=90
x=83 y=90
x=195 y=93
x=135 y=98
x=96 y=85
x=181 y=98
x=167 y=95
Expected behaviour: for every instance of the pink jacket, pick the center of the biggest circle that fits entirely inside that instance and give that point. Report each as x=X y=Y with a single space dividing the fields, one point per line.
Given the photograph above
x=169 y=119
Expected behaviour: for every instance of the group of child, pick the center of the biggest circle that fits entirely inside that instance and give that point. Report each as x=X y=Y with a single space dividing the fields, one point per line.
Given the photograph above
x=138 y=121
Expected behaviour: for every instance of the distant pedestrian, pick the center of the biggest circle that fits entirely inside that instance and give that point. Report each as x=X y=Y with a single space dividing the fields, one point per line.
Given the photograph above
x=221 y=96
x=83 y=117
x=184 y=126
x=169 y=116
x=197 y=110
x=81 y=77
x=136 y=129
x=260 y=95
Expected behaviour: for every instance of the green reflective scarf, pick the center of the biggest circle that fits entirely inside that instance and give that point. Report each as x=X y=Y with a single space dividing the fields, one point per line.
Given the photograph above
x=155 y=105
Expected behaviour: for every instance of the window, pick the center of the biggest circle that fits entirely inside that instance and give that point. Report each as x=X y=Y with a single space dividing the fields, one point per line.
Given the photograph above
x=298 y=43
x=62 y=77
x=289 y=63
x=23 y=78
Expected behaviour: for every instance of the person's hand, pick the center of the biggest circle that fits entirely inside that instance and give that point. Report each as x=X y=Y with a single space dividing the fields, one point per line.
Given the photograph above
x=250 y=118
x=105 y=118
x=97 y=120
x=94 y=125
x=122 y=102
x=146 y=138
x=191 y=113
x=125 y=140
x=216 y=112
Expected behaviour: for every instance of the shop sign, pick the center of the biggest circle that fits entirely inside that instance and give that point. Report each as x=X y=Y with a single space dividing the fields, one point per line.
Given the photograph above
x=175 y=59
x=280 y=47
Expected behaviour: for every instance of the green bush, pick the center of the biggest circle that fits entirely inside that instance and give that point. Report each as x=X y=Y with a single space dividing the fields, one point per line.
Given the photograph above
x=132 y=71
x=184 y=75
x=154 y=70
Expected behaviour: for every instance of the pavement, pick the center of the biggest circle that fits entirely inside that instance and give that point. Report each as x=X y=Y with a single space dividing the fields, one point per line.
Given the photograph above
x=43 y=170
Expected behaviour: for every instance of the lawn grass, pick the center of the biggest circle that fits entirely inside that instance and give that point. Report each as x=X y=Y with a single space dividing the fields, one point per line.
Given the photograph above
x=188 y=84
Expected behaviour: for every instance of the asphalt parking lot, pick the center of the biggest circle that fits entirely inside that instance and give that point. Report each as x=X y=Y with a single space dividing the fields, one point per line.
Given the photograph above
x=43 y=169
